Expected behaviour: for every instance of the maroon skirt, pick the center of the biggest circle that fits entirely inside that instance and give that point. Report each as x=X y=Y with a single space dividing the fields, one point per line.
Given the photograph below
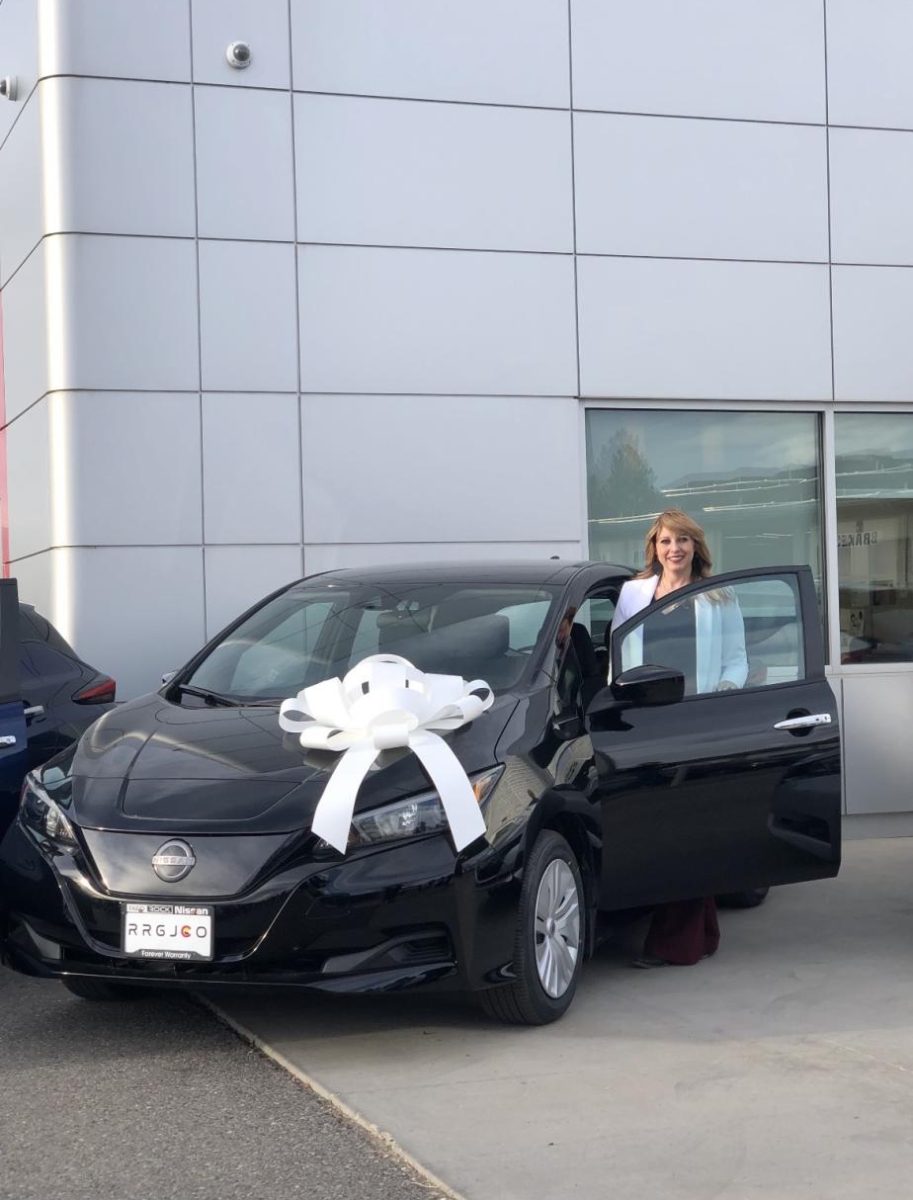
x=684 y=931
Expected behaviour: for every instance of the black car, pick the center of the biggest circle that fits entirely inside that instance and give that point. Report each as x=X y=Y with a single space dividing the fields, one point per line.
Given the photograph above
x=173 y=844
x=53 y=696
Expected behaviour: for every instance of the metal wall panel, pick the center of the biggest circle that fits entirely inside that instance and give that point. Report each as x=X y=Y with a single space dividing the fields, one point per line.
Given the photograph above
x=878 y=768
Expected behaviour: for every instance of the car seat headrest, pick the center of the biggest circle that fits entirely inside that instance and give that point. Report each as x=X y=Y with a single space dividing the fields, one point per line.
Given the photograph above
x=459 y=648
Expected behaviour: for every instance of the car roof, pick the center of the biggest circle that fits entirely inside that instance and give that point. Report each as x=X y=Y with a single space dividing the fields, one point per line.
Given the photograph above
x=513 y=570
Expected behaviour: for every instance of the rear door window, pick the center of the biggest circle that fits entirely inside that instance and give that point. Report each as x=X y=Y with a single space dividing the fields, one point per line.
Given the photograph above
x=44 y=669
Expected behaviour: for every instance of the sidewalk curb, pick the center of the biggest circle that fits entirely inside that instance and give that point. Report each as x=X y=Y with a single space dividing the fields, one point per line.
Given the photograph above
x=386 y=1140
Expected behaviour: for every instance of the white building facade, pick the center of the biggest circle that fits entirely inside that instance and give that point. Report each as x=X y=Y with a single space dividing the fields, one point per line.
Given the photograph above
x=427 y=280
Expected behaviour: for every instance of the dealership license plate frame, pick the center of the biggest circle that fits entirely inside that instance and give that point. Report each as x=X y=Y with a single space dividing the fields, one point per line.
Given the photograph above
x=164 y=947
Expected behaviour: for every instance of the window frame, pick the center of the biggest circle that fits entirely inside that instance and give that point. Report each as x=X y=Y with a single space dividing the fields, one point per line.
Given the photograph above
x=830 y=442
x=826 y=412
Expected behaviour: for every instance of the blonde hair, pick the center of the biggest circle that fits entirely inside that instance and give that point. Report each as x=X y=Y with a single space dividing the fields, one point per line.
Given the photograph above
x=678 y=522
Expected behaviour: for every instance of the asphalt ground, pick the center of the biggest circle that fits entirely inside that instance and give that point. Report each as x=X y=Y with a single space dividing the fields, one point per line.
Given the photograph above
x=155 y=1097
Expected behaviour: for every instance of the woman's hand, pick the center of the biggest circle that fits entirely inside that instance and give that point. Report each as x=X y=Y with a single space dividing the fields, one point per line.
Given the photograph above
x=726 y=685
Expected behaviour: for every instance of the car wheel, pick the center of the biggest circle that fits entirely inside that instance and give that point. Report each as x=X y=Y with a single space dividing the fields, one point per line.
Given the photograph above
x=548 y=951
x=98 y=989
x=750 y=899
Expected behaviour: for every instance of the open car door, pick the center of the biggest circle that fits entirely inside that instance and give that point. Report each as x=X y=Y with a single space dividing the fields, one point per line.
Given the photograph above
x=735 y=783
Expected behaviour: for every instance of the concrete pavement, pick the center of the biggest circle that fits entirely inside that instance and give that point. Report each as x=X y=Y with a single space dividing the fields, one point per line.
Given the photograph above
x=781 y=1068
x=154 y=1098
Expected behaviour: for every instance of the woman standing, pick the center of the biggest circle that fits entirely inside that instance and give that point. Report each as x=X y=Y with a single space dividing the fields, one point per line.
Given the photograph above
x=707 y=637
x=704 y=638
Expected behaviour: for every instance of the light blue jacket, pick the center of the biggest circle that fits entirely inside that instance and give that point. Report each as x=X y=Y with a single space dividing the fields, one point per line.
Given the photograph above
x=719 y=634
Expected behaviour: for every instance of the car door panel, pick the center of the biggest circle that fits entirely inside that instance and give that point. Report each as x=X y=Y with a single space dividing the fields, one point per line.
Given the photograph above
x=708 y=795
x=49 y=680
x=684 y=814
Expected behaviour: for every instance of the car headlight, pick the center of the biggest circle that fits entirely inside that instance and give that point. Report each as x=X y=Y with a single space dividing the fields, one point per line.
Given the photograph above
x=42 y=815
x=413 y=817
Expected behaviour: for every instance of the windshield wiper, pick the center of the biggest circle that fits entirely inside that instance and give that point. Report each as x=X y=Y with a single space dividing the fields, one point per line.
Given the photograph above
x=187 y=689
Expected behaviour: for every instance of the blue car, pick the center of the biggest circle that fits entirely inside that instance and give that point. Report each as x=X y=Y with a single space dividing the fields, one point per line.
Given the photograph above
x=48 y=695
x=14 y=754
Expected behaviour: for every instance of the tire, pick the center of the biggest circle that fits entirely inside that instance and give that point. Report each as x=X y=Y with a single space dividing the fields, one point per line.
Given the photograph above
x=750 y=899
x=547 y=956
x=98 y=989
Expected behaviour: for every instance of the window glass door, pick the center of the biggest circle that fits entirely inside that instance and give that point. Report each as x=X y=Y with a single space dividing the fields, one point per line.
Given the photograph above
x=751 y=480
x=874 y=530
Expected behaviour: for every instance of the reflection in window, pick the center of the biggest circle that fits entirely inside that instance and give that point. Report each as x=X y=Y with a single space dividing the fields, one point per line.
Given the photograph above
x=750 y=479
x=874 y=528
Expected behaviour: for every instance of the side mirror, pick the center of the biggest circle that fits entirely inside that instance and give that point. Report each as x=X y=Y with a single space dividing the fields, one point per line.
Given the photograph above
x=648 y=686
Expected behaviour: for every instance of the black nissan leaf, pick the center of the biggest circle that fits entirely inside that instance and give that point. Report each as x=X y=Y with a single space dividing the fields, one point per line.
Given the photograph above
x=172 y=845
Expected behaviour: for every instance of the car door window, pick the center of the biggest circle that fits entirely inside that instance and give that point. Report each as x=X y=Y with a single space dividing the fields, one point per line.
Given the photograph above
x=595 y=614
x=31 y=625
x=746 y=634
x=582 y=657
x=45 y=668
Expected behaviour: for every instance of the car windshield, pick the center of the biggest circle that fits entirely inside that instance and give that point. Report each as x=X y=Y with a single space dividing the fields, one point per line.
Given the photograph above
x=316 y=631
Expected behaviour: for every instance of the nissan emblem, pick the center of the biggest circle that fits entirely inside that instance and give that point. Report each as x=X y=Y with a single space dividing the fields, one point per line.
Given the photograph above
x=174 y=861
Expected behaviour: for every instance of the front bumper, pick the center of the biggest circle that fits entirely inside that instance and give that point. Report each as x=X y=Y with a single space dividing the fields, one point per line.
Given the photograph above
x=382 y=918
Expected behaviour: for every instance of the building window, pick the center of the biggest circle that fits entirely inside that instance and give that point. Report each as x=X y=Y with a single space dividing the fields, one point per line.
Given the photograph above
x=874 y=525
x=750 y=479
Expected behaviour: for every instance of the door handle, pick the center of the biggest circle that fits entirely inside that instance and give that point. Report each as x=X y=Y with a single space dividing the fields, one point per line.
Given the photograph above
x=806 y=722
x=8 y=739
x=36 y=710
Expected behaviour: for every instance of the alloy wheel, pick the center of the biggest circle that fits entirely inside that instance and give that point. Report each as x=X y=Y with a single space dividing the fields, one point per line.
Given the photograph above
x=557 y=930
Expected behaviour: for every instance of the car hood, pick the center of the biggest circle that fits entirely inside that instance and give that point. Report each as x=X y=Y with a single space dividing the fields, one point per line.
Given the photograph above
x=158 y=766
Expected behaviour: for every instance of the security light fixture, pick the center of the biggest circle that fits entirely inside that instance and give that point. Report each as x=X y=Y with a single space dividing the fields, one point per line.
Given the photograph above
x=238 y=55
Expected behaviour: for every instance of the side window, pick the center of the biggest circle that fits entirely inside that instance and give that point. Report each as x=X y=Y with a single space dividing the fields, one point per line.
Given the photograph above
x=596 y=614
x=47 y=663
x=744 y=635
x=28 y=672
x=42 y=671
x=583 y=659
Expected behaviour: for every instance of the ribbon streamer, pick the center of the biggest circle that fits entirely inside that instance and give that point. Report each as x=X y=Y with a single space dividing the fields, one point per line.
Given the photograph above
x=382 y=703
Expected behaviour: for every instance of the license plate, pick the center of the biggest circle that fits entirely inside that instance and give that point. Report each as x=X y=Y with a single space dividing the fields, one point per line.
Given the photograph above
x=173 y=931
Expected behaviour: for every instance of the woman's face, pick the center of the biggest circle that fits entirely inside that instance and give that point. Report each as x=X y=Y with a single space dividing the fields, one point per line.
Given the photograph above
x=675 y=551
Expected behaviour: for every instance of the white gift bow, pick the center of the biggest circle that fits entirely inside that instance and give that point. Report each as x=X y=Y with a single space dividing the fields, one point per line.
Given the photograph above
x=382 y=703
